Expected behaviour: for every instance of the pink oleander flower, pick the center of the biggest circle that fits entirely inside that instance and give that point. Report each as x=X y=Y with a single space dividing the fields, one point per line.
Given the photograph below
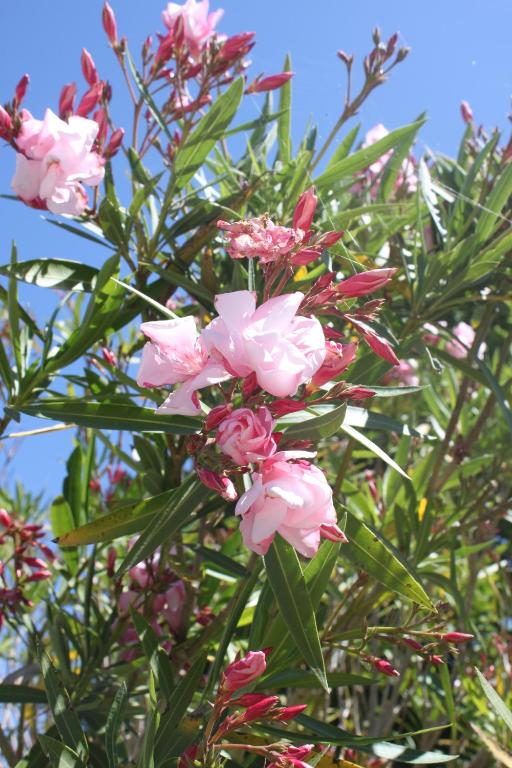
x=198 y=23
x=337 y=359
x=404 y=373
x=173 y=354
x=172 y=610
x=460 y=346
x=54 y=161
x=243 y=671
x=260 y=238
x=246 y=436
x=283 y=350
x=407 y=175
x=292 y=499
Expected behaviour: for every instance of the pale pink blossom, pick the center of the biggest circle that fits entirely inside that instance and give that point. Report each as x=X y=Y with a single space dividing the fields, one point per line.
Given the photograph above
x=283 y=350
x=260 y=238
x=243 y=671
x=54 y=161
x=198 y=23
x=183 y=400
x=172 y=610
x=246 y=436
x=174 y=353
x=292 y=499
x=405 y=373
x=460 y=346
x=407 y=175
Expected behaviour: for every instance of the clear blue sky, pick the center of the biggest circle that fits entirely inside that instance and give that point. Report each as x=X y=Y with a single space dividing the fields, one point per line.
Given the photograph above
x=460 y=50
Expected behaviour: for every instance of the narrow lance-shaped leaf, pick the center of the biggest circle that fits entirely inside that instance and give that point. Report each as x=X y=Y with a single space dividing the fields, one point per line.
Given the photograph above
x=287 y=582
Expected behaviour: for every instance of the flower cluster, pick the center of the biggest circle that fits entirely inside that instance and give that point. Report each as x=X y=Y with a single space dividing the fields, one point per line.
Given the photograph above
x=25 y=560
x=154 y=591
x=230 y=715
x=268 y=361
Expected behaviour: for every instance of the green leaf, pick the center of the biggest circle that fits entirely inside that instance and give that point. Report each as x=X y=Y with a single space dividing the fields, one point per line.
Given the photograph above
x=114 y=720
x=73 y=484
x=14 y=314
x=110 y=416
x=287 y=582
x=123 y=522
x=147 y=97
x=494 y=203
x=496 y=389
x=317 y=427
x=159 y=531
x=361 y=159
x=210 y=129
x=63 y=711
x=296 y=678
x=284 y=138
x=495 y=701
x=171 y=719
x=370 y=552
x=374 y=448
x=59 y=754
x=21 y=694
x=64 y=274
x=393 y=167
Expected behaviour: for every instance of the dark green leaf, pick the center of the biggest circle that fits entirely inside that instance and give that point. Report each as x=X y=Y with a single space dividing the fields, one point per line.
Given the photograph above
x=113 y=725
x=63 y=274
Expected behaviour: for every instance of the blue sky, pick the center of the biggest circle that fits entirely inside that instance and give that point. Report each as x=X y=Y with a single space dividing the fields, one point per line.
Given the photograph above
x=460 y=50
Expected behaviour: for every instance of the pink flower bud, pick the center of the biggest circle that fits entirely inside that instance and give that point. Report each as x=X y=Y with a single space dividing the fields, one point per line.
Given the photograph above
x=269 y=83
x=95 y=485
x=39 y=576
x=365 y=282
x=249 y=699
x=331 y=532
x=305 y=210
x=436 y=660
x=109 y=23
x=108 y=356
x=382 y=665
x=379 y=345
x=100 y=117
x=337 y=359
x=456 y=637
x=413 y=644
x=236 y=46
x=329 y=238
x=250 y=386
x=345 y=57
x=90 y=99
x=220 y=483
x=260 y=709
x=34 y=562
x=5 y=123
x=357 y=393
x=67 y=100
x=88 y=67
x=21 y=90
x=288 y=713
x=285 y=405
x=244 y=671
x=466 y=112
x=5 y=519
x=115 y=142
x=390 y=48
x=216 y=415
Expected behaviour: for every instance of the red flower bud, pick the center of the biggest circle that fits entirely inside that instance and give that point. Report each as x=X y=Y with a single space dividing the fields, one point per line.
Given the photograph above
x=216 y=415
x=379 y=345
x=108 y=356
x=5 y=519
x=260 y=709
x=269 y=83
x=437 y=660
x=413 y=644
x=67 y=100
x=456 y=637
x=250 y=386
x=466 y=112
x=285 y=405
x=111 y=561
x=249 y=699
x=109 y=23
x=236 y=46
x=216 y=482
x=5 y=124
x=115 y=142
x=329 y=238
x=365 y=282
x=39 y=576
x=331 y=532
x=357 y=393
x=305 y=210
x=382 y=665
x=288 y=713
x=21 y=90
x=90 y=99
x=88 y=67
x=188 y=757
